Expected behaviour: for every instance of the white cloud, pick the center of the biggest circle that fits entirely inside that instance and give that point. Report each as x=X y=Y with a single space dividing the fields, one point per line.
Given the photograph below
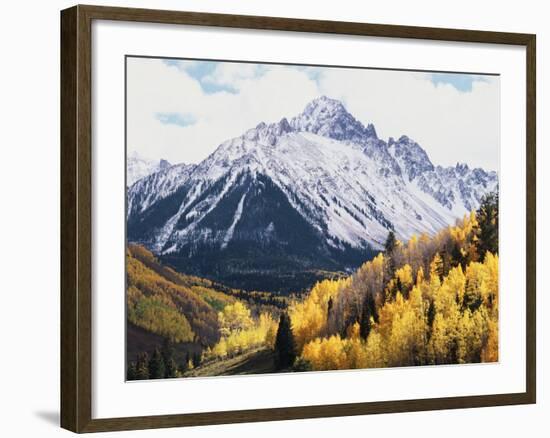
x=451 y=125
x=154 y=87
x=233 y=74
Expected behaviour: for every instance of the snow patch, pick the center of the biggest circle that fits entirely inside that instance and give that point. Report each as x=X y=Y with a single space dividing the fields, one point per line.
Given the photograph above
x=231 y=229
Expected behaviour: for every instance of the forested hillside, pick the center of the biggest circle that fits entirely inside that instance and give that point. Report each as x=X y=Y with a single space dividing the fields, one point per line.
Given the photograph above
x=428 y=301
x=184 y=317
x=180 y=308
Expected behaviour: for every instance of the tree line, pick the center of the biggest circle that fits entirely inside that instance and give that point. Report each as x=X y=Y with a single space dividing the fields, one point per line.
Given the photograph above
x=161 y=363
x=432 y=300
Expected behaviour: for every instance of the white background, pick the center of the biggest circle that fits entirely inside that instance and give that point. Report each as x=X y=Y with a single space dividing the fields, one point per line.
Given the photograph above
x=29 y=184
x=112 y=397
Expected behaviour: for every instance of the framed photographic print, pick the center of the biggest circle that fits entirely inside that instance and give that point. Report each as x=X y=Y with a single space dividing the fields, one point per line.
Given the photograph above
x=268 y=218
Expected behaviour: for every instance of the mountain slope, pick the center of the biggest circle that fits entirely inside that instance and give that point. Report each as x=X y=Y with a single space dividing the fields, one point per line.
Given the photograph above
x=288 y=199
x=164 y=302
x=138 y=167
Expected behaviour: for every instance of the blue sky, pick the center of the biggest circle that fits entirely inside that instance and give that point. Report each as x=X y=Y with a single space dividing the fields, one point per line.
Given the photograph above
x=199 y=70
x=181 y=110
x=204 y=73
x=178 y=119
x=462 y=82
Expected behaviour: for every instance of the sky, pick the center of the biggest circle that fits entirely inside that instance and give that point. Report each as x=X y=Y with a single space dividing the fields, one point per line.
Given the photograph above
x=181 y=110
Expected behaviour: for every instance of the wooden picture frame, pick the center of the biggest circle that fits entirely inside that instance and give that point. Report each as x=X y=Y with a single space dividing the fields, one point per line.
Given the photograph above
x=76 y=217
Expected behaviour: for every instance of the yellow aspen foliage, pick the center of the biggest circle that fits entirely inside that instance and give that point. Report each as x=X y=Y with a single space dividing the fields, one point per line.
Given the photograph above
x=489 y=290
x=439 y=307
x=387 y=315
x=405 y=276
x=402 y=327
x=353 y=331
x=490 y=350
x=475 y=285
x=374 y=351
x=439 y=346
x=436 y=268
x=372 y=273
x=309 y=317
x=438 y=319
x=452 y=289
x=242 y=333
x=356 y=353
x=234 y=317
x=267 y=329
x=326 y=354
x=420 y=277
x=219 y=350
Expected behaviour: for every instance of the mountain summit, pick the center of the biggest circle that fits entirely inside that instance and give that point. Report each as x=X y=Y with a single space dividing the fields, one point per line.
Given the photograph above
x=329 y=118
x=275 y=207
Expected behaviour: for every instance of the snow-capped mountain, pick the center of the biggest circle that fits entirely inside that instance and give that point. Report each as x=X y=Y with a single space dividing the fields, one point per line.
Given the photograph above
x=138 y=167
x=318 y=192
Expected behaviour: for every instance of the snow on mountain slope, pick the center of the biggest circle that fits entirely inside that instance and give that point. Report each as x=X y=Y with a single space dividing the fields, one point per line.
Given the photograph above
x=459 y=189
x=323 y=173
x=138 y=167
x=158 y=185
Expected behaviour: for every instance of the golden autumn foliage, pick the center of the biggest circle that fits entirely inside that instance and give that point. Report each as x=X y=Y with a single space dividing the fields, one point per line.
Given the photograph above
x=234 y=317
x=439 y=306
x=170 y=304
x=241 y=332
x=309 y=317
x=428 y=301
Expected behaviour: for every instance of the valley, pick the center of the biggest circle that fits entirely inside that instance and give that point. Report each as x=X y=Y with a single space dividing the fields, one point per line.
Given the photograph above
x=273 y=208
x=310 y=244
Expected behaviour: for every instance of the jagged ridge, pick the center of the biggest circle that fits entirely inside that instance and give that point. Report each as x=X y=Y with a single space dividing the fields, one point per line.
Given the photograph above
x=343 y=187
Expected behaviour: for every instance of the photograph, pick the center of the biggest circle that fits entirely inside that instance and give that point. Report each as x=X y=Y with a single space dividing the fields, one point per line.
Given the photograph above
x=273 y=220
x=290 y=218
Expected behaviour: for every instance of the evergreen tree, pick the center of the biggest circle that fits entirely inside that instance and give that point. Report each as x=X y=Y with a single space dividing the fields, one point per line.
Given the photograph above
x=389 y=248
x=399 y=286
x=156 y=365
x=285 y=346
x=437 y=266
x=196 y=360
x=431 y=317
x=302 y=365
x=170 y=367
x=330 y=304
x=487 y=219
x=352 y=317
x=131 y=371
x=457 y=257
x=142 y=366
x=447 y=263
x=364 y=322
x=372 y=307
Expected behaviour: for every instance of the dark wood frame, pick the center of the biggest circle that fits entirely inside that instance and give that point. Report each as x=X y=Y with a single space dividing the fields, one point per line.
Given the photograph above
x=76 y=237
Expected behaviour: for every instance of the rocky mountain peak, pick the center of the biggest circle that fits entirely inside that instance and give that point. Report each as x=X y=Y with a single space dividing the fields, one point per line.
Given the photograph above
x=269 y=133
x=412 y=158
x=329 y=118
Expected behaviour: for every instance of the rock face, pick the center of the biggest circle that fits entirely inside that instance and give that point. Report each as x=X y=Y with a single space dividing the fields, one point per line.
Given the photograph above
x=274 y=207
